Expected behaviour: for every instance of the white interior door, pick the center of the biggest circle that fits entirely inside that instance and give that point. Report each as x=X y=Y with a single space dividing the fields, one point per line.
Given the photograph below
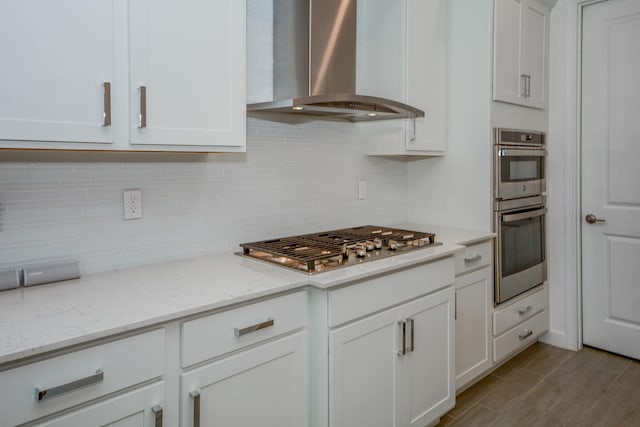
x=611 y=176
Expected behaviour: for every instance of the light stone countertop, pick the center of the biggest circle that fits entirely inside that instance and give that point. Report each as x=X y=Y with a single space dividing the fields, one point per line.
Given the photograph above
x=44 y=318
x=450 y=235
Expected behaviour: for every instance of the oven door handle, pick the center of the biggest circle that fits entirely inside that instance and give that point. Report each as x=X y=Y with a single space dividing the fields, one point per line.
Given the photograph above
x=523 y=215
x=510 y=152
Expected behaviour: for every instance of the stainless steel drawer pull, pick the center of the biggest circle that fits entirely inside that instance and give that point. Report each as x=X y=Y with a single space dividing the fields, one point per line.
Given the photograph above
x=106 y=115
x=473 y=259
x=412 y=347
x=196 y=408
x=42 y=394
x=403 y=334
x=242 y=331
x=525 y=334
x=523 y=88
x=143 y=107
x=157 y=415
x=524 y=310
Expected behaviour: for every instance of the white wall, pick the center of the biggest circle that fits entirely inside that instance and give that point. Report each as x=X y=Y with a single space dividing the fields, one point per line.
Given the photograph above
x=293 y=179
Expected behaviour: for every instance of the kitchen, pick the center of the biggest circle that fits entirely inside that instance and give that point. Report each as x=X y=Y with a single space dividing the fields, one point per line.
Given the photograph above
x=294 y=179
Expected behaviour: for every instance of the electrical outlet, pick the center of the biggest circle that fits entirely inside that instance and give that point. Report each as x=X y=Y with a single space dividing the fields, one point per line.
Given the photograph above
x=362 y=189
x=132 y=204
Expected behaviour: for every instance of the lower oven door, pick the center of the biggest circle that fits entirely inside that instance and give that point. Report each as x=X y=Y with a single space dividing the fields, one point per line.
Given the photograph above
x=520 y=252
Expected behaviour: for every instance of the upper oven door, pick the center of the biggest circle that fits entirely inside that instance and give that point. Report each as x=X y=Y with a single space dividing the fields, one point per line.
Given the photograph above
x=519 y=172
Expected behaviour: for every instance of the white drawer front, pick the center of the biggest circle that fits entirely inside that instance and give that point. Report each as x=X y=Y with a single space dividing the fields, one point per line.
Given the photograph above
x=474 y=256
x=221 y=333
x=375 y=294
x=520 y=336
x=124 y=363
x=518 y=311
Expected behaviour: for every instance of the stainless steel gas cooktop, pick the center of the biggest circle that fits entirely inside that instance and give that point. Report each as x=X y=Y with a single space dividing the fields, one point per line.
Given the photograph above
x=328 y=250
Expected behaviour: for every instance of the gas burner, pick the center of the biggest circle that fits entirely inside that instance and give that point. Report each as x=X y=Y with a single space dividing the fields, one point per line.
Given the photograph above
x=319 y=252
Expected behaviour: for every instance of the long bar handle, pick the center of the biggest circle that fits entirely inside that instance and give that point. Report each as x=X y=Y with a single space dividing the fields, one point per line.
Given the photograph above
x=106 y=113
x=523 y=88
x=473 y=259
x=403 y=332
x=196 y=408
x=242 y=331
x=412 y=347
x=143 y=107
x=510 y=152
x=42 y=394
x=157 y=415
x=528 y=85
x=525 y=334
x=524 y=215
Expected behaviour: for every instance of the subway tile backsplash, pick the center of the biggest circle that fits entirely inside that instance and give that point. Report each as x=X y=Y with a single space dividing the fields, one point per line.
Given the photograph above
x=293 y=179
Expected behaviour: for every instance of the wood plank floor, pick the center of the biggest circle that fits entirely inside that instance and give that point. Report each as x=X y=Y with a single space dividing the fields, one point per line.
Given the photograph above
x=549 y=386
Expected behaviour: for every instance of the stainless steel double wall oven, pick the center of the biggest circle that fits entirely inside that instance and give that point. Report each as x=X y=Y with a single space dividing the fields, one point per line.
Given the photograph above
x=519 y=212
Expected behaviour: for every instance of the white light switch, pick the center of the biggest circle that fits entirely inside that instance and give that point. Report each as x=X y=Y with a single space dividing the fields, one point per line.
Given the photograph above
x=362 y=189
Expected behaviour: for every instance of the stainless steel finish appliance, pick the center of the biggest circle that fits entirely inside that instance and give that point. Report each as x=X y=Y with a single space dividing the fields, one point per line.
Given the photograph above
x=519 y=158
x=315 y=65
x=329 y=250
x=519 y=212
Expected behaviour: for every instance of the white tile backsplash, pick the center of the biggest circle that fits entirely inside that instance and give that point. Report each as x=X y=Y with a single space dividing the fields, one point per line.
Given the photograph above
x=293 y=179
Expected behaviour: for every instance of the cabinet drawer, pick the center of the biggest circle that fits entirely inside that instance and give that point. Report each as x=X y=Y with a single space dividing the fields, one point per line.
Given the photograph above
x=509 y=316
x=520 y=336
x=474 y=256
x=212 y=336
x=73 y=378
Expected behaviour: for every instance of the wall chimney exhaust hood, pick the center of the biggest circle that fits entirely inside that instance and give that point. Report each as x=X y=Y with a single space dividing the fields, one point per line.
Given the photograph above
x=314 y=66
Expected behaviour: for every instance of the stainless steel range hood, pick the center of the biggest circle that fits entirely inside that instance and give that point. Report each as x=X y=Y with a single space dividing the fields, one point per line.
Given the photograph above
x=314 y=65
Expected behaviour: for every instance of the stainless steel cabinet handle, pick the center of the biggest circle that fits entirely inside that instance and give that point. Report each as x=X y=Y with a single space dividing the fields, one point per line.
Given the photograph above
x=412 y=347
x=525 y=334
x=403 y=331
x=242 y=331
x=412 y=138
x=157 y=415
x=473 y=259
x=42 y=394
x=524 y=310
x=106 y=115
x=528 y=86
x=143 y=107
x=196 y=408
x=523 y=88
x=455 y=306
x=592 y=219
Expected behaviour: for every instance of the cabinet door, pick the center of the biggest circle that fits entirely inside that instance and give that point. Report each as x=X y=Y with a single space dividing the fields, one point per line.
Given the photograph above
x=133 y=409
x=56 y=58
x=428 y=369
x=426 y=74
x=473 y=325
x=508 y=85
x=265 y=386
x=189 y=56
x=363 y=386
x=535 y=21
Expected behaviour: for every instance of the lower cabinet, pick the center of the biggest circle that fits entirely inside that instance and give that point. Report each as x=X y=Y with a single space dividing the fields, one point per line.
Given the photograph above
x=138 y=408
x=394 y=368
x=473 y=325
x=265 y=385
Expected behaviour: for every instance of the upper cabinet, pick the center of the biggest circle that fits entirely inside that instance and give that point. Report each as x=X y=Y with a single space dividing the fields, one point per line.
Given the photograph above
x=57 y=73
x=402 y=55
x=144 y=75
x=520 y=54
x=187 y=67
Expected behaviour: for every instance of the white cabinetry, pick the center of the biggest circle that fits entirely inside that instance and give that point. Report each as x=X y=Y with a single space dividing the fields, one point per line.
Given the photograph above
x=258 y=374
x=521 y=40
x=423 y=77
x=518 y=324
x=57 y=58
x=76 y=81
x=33 y=391
x=474 y=297
x=187 y=73
x=394 y=368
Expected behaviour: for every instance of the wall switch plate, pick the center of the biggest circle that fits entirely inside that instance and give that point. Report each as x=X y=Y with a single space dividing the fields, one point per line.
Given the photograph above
x=362 y=189
x=132 y=204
